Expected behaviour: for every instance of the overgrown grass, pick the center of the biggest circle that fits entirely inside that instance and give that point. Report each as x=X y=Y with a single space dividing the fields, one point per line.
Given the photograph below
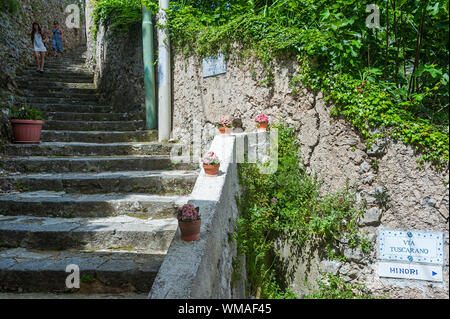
x=287 y=204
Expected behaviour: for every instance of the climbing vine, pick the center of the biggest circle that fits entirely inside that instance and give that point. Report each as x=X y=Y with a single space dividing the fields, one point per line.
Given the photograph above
x=288 y=204
x=388 y=81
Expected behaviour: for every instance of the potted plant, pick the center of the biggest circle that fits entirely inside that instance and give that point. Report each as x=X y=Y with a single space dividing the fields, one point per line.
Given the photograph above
x=211 y=164
x=262 y=122
x=189 y=221
x=225 y=125
x=26 y=124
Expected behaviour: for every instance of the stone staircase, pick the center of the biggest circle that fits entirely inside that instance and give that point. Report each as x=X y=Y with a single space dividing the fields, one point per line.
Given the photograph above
x=98 y=192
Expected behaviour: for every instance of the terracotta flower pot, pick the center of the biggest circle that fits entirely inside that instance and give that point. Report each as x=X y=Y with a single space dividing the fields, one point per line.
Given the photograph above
x=190 y=231
x=262 y=126
x=225 y=130
x=27 y=131
x=211 y=170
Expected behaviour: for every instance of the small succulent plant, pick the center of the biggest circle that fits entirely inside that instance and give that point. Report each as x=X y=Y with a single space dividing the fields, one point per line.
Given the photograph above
x=210 y=159
x=188 y=213
x=224 y=123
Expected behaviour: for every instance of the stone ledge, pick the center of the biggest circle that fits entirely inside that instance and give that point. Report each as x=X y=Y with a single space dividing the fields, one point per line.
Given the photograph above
x=203 y=269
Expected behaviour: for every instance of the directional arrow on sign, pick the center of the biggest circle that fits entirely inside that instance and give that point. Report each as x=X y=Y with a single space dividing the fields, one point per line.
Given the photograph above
x=434 y=273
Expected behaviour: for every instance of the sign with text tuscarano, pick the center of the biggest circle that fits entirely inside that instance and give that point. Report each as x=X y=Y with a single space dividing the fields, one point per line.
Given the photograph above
x=426 y=247
x=215 y=65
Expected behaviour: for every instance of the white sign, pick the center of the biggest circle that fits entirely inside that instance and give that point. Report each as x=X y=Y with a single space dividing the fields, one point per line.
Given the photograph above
x=214 y=66
x=411 y=246
x=410 y=271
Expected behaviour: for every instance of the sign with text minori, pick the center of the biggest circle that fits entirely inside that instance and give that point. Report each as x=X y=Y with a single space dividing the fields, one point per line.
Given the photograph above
x=411 y=246
x=214 y=65
x=410 y=271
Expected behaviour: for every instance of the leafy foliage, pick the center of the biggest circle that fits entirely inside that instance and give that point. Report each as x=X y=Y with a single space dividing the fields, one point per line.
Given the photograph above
x=120 y=15
x=10 y=6
x=379 y=79
x=25 y=113
x=396 y=75
x=333 y=287
x=298 y=213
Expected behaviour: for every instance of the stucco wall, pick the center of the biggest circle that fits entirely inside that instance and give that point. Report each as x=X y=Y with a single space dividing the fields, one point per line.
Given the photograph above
x=417 y=197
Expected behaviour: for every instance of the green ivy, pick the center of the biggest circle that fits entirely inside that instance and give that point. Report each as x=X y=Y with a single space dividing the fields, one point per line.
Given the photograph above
x=120 y=15
x=288 y=204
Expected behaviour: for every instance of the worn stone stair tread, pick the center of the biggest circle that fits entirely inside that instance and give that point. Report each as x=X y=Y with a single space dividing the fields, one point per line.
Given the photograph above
x=98 y=136
x=61 y=204
x=107 y=233
x=94 y=125
x=37 y=295
x=89 y=116
x=83 y=108
x=118 y=232
x=55 y=100
x=87 y=149
x=60 y=94
x=109 y=271
x=46 y=85
x=168 y=182
x=37 y=164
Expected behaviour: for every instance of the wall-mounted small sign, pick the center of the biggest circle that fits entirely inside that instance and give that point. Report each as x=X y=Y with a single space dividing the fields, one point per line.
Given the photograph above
x=411 y=246
x=213 y=66
x=410 y=271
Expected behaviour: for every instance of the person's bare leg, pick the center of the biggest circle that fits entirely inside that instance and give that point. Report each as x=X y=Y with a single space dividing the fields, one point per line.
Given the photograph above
x=43 y=60
x=36 y=55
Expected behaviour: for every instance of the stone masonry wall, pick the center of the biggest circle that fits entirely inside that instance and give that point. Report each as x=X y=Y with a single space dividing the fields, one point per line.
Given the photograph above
x=417 y=197
x=119 y=69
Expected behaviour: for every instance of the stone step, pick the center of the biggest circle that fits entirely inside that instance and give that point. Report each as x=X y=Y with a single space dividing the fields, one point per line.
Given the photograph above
x=53 y=85
x=37 y=77
x=72 y=108
x=94 y=125
x=62 y=67
x=88 y=149
x=54 y=204
x=91 y=164
x=90 y=295
x=54 y=91
x=58 y=73
x=53 y=233
x=142 y=182
x=61 y=93
x=110 y=272
x=97 y=117
x=94 y=100
x=98 y=136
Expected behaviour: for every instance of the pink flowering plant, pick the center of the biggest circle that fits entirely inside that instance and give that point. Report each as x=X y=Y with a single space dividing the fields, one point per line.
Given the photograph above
x=262 y=118
x=224 y=123
x=210 y=159
x=188 y=213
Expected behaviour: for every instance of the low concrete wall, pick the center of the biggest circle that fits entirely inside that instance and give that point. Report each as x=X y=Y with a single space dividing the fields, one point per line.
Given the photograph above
x=203 y=269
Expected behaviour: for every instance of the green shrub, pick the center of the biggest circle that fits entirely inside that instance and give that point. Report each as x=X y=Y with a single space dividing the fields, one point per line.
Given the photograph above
x=288 y=204
x=25 y=113
x=10 y=6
